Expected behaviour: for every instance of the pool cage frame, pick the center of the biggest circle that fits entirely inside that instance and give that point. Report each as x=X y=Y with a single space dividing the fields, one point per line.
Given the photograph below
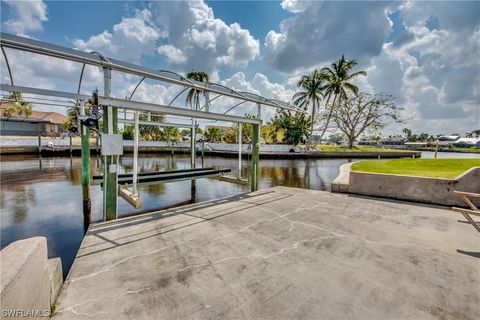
x=111 y=106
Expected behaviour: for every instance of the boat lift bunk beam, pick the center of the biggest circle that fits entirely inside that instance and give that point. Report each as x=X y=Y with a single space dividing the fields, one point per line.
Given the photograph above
x=167 y=176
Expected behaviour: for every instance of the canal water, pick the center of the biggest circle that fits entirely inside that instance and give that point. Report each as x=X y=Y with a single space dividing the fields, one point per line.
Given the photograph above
x=42 y=196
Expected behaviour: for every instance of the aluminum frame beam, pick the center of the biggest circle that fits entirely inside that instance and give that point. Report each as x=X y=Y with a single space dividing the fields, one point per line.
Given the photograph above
x=44 y=92
x=157 y=124
x=43 y=48
x=145 y=106
x=133 y=105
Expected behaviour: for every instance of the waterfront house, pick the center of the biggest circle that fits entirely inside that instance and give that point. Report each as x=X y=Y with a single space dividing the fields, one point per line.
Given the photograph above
x=392 y=142
x=36 y=124
x=467 y=143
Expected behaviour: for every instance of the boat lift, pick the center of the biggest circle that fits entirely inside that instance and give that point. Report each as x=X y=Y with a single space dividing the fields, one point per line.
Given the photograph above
x=111 y=141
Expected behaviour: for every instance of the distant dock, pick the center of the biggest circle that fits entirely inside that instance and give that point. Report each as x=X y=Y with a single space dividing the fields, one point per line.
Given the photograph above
x=279 y=253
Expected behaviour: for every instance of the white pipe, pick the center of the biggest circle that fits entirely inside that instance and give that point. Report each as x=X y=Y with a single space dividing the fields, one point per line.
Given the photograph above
x=239 y=150
x=135 y=154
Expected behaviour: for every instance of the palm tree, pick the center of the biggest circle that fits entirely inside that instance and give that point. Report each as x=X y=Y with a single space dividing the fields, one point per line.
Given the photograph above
x=311 y=94
x=295 y=126
x=193 y=96
x=338 y=79
x=214 y=134
x=18 y=105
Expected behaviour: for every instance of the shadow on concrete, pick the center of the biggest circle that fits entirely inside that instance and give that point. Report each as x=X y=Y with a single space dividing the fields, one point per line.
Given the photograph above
x=98 y=230
x=469 y=253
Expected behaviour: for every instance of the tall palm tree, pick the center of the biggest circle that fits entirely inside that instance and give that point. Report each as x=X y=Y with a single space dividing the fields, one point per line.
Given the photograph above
x=338 y=79
x=193 y=95
x=311 y=93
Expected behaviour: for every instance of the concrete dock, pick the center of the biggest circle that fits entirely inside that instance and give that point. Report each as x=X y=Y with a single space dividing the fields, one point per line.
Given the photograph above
x=279 y=253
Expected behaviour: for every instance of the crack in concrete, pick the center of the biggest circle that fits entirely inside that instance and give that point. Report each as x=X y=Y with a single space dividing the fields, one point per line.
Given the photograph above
x=106 y=269
x=91 y=315
x=260 y=256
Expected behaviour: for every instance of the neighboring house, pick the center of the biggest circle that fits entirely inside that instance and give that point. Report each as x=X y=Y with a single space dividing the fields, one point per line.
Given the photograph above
x=393 y=141
x=37 y=124
x=447 y=141
x=467 y=143
x=451 y=138
x=365 y=142
x=416 y=145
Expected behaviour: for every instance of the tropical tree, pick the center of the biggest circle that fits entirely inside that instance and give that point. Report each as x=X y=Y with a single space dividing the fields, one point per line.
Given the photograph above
x=358 y=113
x=193 y=95
x=473 y=134
x=338 y=77
x=296 y=126
x=407 y=132
x=149 y=132
x=271 y=134
x=214 y=134
x=311 y=93
x=18 y=106
x=170 y=134
x=423 y=137
x=127 y=132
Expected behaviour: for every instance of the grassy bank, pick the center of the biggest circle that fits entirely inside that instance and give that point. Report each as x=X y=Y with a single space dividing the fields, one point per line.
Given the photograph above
x=357 y=149
x=438 y=168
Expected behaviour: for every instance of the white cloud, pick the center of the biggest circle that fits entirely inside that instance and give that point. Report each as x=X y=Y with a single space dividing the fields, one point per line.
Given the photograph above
x=28 y=16
x=321 y=32
x=173 y=55
x=205 y=42
x=435 y=74
x=261 y=85
x=129 y=40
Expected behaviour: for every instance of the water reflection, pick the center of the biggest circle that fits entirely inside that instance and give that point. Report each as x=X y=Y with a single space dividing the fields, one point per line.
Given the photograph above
x=23 y=199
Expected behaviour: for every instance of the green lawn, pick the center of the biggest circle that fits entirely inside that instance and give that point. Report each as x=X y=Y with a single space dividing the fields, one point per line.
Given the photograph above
x=438 y=168
x=356 y=149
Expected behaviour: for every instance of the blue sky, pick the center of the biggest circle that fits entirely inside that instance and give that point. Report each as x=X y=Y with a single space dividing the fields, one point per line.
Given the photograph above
x=424 y=53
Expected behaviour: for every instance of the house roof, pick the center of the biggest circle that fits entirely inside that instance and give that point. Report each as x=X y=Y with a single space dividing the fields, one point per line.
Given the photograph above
x=468 y=141
x=36 y=116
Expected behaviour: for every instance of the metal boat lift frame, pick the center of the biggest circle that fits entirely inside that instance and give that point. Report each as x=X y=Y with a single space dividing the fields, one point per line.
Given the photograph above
x=111 y=106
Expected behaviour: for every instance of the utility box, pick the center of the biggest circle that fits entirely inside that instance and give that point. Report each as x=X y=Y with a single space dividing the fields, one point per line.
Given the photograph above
x=112 y=144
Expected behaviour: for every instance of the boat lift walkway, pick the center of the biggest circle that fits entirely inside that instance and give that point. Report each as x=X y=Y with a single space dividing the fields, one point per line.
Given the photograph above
x=279 y=253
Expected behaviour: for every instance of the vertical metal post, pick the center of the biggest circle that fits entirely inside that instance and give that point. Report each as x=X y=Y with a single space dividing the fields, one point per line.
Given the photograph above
x=70 y=145
x=255 y=169
x=39 y=144
x=193 y=153
x=239 y=150
x=110 y=122
x=135 y=154
x=193 y=143
x=85 y=141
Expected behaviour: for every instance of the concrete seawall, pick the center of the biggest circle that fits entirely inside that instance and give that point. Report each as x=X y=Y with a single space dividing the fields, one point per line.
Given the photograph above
x=411 y=188
x=6 y=150
x=30 y=282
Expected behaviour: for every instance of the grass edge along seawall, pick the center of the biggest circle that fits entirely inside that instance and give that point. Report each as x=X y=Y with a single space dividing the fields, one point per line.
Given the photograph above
x=435 y=168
